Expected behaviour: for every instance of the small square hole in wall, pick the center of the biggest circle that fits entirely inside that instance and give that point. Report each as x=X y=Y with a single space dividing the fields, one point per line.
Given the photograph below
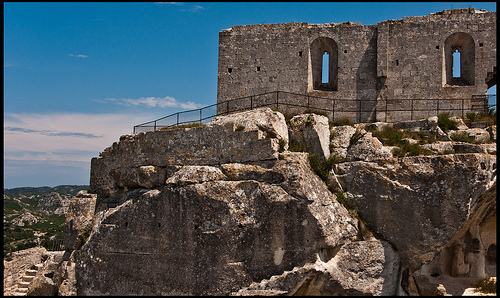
x=480 y=44
x=258 y=68
x=397 y=62
x=345 y=51
x=437 y=47
x=300 y=54
x=230 y=70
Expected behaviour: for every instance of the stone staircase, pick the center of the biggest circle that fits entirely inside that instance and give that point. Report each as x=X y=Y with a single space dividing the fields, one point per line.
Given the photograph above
x=26 y=279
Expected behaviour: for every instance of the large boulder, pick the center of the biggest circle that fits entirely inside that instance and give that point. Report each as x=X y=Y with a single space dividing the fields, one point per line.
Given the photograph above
x=311 y=132
x=470 y=255
x=264 y=119
x=357 y=268
x=340 y=139
x=205 y=234
x=79 y=217
x=368 y=148
x=417 y=203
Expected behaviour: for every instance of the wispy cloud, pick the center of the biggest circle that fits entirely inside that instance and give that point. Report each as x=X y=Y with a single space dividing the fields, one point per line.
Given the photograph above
x=152 y=102
x=169 y=3
x=55 y=149
x=78 y=56
x=189 y=7
x=51 y=133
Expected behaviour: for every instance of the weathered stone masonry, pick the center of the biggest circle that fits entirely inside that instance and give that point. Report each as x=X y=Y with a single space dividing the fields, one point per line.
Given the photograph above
x=368 y=64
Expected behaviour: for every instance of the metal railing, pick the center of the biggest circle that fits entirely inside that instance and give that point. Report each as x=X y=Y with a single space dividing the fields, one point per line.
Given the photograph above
x=390 y=110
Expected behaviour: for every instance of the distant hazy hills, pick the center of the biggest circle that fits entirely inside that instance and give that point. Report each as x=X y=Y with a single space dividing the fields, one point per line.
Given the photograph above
x=34 y=215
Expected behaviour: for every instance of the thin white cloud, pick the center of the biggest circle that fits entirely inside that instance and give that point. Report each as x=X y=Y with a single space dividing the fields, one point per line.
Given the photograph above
x=194 y=8
x=67 y=132
x=190 y=8
x=152 y=102
x=169 y=3
x=78 y=56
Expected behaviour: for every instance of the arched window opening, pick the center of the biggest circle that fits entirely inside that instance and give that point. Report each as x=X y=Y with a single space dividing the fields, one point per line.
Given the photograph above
x=459 y=60
x=324 y=75
x=324 y=64
x=456 y=64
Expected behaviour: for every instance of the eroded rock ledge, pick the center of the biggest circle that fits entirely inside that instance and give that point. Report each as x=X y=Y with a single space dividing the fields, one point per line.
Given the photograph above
x=225 y=209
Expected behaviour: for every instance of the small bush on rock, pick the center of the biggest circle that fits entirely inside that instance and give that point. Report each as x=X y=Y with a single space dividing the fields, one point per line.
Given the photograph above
x=445 y=123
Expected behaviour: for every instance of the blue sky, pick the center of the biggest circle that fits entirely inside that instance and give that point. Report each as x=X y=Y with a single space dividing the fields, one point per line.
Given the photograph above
x=77 y=76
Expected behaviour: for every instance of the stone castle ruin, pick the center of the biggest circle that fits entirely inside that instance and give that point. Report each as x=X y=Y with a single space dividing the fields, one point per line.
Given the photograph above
x=392 y=71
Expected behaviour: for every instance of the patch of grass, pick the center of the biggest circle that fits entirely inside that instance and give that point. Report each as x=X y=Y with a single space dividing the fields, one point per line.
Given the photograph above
x=410 y=150
x=296 y=147
x=486 y=286
x=282 y=144
x=445 y=123
x=389 y=136
x=239 y=127
x=343 y=121
x=356 y=137
x=463 y=137
x=321 y=166
x=489 y=116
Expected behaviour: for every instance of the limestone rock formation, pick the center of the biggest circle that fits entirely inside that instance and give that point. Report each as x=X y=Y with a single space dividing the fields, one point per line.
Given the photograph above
x=207 y=235
x=78 y=218
x=264 y=119
x=470 y=255
x=358 y=268
x=311 y=132
x=221 y=210
x=368 y=148
x=417 y=203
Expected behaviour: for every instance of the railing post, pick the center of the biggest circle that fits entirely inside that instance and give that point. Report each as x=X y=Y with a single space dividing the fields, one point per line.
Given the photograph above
x=463 y=107
x=200 y=116
x=155 y=125
x=308 y=102
x=177 y=119
x=227 y=107
x=437 y=108
x=411 y=117
x=333 y=109
x=386 y=110
x=251 y=102
x=277 y=106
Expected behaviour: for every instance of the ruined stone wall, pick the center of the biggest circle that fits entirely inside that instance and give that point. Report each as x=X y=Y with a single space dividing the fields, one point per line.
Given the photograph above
x=369 y=64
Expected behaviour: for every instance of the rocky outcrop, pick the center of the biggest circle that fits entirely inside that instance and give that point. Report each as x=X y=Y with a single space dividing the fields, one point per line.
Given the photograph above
x=417 y=203
x=359 y=268
x=469 y=256
x=221 y=210
x=263 y=119
x=78 y=218
x=311 y=132
x=368 y=148
x=207 y=234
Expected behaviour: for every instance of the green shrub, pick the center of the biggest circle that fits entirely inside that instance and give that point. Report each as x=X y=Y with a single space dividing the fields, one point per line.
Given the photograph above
x=282 y=144
x=321 y=166
x=296 y=147
x=463 y=137
x=410 y=150
x=445 y=123
x=355 y=137
x=343 y=121
x=240 y=127
x=486 y=286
